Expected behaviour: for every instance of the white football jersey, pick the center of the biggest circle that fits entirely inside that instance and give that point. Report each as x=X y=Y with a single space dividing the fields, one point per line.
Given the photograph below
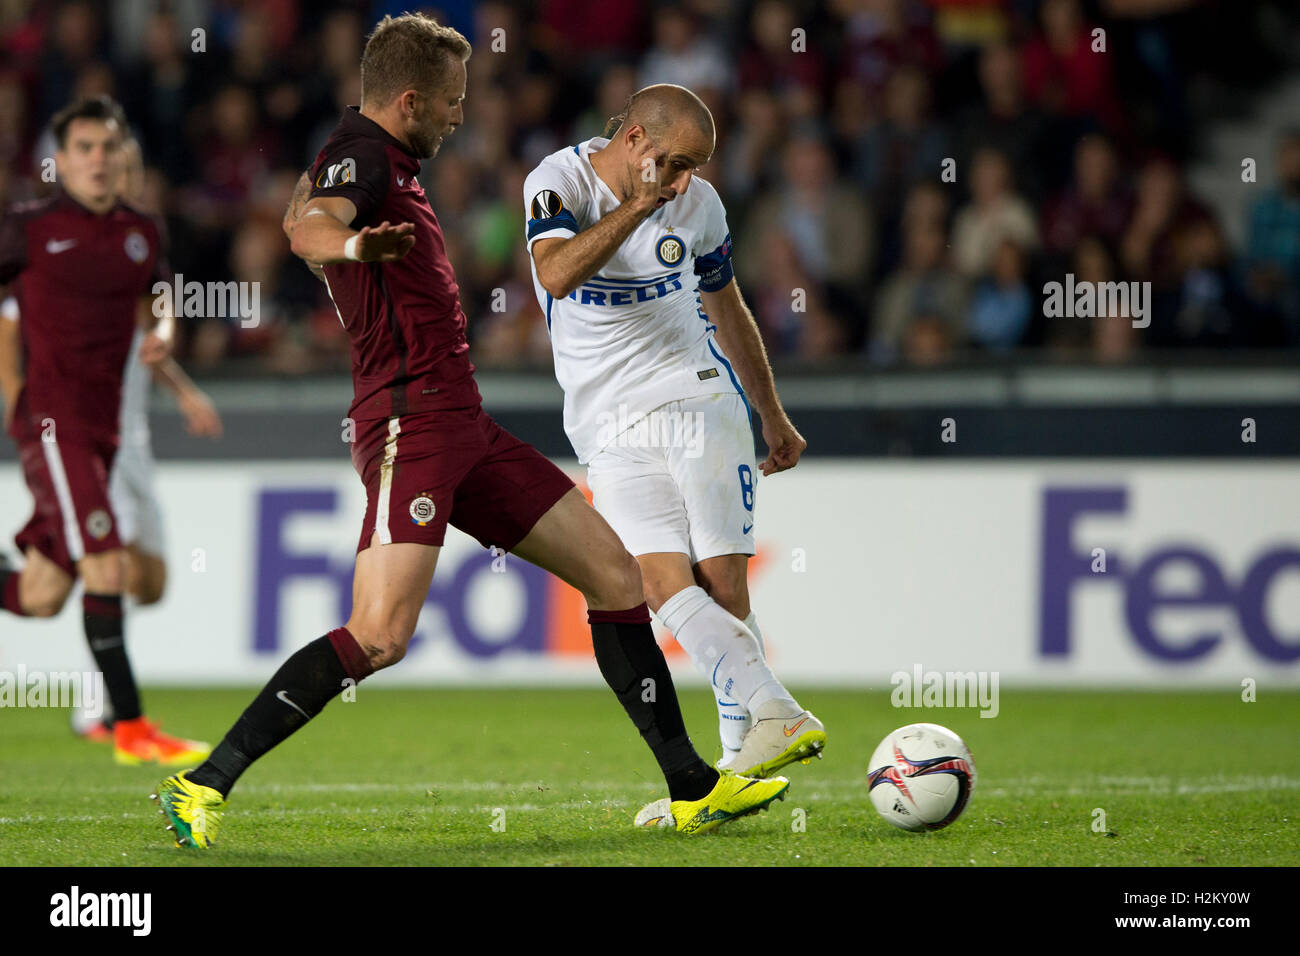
x=634 y=336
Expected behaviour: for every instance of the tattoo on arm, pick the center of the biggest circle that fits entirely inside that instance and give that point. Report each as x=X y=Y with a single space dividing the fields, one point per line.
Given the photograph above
x=300 y=192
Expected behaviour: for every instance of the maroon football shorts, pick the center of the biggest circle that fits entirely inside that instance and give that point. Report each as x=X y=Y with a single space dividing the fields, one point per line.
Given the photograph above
x=426 y=470
x=68 y=477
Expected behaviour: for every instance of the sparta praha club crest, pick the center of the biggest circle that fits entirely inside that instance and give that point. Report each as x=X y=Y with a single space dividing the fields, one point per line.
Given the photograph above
x=422 y=510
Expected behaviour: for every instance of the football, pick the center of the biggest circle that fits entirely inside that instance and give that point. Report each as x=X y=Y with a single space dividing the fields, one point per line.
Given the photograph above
x=921 y=777
x=656 y=814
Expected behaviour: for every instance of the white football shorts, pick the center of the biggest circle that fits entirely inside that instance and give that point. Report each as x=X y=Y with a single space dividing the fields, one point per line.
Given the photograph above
x=135 y=503
x=681 y=480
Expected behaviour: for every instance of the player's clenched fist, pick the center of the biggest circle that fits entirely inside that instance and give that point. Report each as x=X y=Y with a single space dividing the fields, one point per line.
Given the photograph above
x=784 y=444
x=384 y=242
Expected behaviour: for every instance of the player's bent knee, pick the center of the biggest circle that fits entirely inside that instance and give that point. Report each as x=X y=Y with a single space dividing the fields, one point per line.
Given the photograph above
x=43 y=605
x=146 y=579
x=731 y=596
x=44 y=598
x=384 y=645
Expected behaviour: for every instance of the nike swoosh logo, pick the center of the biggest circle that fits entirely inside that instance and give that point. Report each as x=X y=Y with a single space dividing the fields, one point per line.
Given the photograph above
x=284 y=698
x=400 y=181
x=748 y=529
x=790 y=731
x=55 y=246
x=747 y=786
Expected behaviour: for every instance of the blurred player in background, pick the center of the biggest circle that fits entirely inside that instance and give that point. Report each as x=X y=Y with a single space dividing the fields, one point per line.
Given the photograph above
x=131 y=482
x=85 y=263
x=631 y=260
x=428 y=454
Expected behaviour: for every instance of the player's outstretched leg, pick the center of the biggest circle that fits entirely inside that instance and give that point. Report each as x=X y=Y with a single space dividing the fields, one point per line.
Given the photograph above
x=573 y=542
x=388 y=589
x=776 y=730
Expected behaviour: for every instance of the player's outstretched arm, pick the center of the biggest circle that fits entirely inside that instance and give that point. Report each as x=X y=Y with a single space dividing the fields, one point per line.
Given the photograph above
x=322 y=235
x=738 y=334
x=564 y=264
x=201 y=416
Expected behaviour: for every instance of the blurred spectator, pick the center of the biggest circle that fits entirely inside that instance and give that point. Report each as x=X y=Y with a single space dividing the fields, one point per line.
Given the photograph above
x=616 y=88
x=1162 y=210
x=996 y=213
x=1007 y=122
x=788 y=303
x=1211 y=310
x=770 y=62
x=924 y=292
x=73 y=45
x=1064 y=74
x=684 y=54
x=1095 y=202
x=751 y=158
x=882 y=35
x=1273 y=241
x=826 y=219
x=158 y=92
x=905 y=147
x=1001 y=304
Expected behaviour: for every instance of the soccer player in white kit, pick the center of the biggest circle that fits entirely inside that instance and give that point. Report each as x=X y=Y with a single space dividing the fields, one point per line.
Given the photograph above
x=661 y=362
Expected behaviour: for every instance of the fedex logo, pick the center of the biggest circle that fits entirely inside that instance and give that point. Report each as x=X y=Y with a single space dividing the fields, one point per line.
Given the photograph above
x=1062 y=568
x=550 y=620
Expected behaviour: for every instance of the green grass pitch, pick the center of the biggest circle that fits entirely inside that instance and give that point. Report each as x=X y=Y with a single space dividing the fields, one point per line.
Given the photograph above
x=417 y=777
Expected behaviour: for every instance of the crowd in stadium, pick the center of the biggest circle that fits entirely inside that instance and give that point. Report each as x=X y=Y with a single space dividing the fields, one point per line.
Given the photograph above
x=836 y=123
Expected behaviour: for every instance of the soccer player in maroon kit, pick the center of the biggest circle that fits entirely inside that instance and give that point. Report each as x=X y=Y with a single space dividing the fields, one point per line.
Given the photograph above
x=430 y=456
x=84 y=263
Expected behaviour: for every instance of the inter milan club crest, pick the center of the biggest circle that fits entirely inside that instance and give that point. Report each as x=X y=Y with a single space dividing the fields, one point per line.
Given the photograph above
x=422 y=510
x=546 y=205
x=98 y=524
x=670 y=250
x=137 y=247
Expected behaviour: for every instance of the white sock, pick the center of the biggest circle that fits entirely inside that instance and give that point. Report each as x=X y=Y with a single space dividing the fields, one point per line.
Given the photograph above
x=751 y=622
x=725 y=651
x=734 y=720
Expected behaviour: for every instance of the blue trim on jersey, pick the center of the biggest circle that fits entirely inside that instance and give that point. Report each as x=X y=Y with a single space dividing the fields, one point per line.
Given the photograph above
x=564 y=220
x=635 y=282
x=711 y=328
x=734 y=381
x=576 y=153
x=549 y=303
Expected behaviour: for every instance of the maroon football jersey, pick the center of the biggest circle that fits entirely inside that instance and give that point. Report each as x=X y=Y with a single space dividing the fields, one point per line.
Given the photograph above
x=80 y=275
x=404 y=319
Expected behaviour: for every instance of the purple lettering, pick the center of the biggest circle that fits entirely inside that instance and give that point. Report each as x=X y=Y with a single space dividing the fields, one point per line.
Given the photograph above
x=1142 y=600
x=1062 y=565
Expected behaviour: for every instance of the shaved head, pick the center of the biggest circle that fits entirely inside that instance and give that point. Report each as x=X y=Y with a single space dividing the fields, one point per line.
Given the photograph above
x=659 y=109
x=676 y=128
